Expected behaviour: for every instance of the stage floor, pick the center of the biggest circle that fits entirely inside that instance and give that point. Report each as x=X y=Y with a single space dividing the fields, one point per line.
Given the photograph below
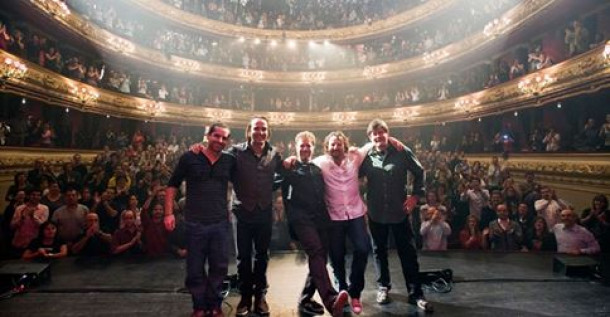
x=486 y=285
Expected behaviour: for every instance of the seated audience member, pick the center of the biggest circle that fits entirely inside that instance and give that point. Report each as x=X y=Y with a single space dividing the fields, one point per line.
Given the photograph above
x=539 y=238
x=597 y=220
x=435 y=231
x=70 y=218
x=128 y=238
x=573 y=238
x=471 y=237
x=27 y=220
x=86 y=199
x=94 y=241
x=53 y=199
x=20 y=182
x=177 y=238
x=503 y=234
x=154 y=234
x=47 y=245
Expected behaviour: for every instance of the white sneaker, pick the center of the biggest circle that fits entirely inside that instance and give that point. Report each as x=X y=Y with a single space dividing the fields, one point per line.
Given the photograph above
x=382 y=296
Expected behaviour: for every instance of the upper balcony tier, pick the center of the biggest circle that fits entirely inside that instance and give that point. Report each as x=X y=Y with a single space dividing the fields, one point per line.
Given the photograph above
x=586 y=73
x=385 y=24
x=112 y=44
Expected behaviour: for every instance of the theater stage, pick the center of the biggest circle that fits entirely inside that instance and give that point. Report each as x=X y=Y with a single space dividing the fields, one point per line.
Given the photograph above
x=486 y=285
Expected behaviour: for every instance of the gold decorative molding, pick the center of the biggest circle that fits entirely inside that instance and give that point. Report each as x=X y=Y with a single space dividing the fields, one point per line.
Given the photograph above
x=451 y=53
x=187 y=19
x=16 y=159
x=583 y=74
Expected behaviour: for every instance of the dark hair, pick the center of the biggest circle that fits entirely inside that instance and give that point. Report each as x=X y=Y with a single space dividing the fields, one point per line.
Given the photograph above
x=602 y=199
x=17 y=176
x=215 y=125
x=31 y=189
x=249 y=127
x=43 y=226
x=376 y=124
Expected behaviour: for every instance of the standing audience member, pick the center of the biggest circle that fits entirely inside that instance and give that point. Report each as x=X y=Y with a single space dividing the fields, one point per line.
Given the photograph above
x=503 y=234
x=597 y=220
x=70 y=218
x=573 y=238
x=435 y=232
x=539 y=238
x=549 y=206
x=471 y=237
x=27 y=220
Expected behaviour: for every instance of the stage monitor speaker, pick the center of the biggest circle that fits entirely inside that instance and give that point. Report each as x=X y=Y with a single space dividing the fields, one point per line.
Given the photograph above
x=574 y=265
x=13 y=273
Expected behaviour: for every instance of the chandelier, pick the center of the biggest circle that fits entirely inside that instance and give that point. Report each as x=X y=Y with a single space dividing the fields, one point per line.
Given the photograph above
x=496 y=27
x=152 y=108
x=84 y=95
x=12 y=69
x=535 y=85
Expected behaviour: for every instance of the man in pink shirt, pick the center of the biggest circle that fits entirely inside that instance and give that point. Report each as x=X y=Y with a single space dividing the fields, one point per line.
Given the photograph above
x=346 y=209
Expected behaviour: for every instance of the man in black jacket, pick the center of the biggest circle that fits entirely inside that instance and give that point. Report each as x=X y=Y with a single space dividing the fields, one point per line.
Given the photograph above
x=386 y=170
x=303 y=193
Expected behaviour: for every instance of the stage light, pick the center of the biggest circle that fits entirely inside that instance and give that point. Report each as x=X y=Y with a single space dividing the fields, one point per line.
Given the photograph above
x=242 y=39
x=480 y=120
x=107 y=116
x=312 y=43
x=292 y=44
x=214 y=43
x=516 y=114
x=326 y=42
x=67 y=110
x=559 y=105
x=257 y=41
x=273 y=43
x=23 y=101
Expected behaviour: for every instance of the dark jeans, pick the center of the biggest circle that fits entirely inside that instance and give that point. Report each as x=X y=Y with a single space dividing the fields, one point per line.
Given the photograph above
x=405 y=246
x=253 y=280
x=355 y=229
x=206 y=243
x=314 y=241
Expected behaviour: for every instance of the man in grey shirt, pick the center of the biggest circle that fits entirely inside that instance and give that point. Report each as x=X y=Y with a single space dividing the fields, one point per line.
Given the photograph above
x=70 y=218
x=573 y=238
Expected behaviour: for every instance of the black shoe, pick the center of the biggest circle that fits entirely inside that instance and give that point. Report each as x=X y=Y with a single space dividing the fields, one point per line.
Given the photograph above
x=243 y=308
x=261 y=307
x=311 y=307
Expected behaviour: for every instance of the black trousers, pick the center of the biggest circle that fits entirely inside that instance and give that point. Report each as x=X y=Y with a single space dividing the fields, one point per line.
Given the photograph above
x=405 y=246
x=314 y=240
x=257 y=235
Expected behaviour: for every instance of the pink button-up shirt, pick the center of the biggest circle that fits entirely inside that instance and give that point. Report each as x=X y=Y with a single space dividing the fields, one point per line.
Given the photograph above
x=342 y=194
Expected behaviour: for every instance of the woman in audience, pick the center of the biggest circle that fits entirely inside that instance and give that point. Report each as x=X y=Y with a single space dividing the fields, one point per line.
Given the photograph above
x=53 y=199
x=154 y=234
x=47 y=245
x=597 y=220
x=471 y=237
x=539 y=238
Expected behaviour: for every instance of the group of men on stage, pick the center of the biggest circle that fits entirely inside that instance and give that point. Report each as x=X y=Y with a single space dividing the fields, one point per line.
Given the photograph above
x=323 y=205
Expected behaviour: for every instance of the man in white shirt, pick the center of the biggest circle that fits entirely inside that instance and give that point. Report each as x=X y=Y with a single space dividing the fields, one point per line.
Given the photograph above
x=573 y=238
x=549 y=207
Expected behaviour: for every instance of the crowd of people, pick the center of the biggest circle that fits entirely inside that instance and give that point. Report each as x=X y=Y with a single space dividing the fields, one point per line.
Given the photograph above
x=456 y=25
x=295 y=14
x=47 y=52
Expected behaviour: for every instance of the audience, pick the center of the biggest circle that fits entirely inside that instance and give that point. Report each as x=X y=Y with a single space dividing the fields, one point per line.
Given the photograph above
x=47 y=245
x=573 y=238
